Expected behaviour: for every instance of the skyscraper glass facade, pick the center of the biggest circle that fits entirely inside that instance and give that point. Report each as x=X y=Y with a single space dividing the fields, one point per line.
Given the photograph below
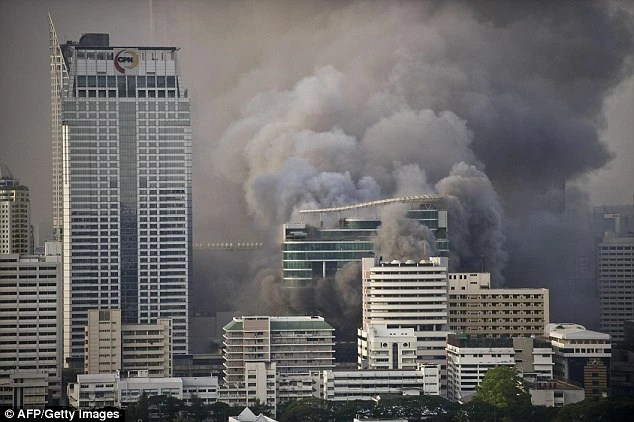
x=310 y=253
x=126 y=177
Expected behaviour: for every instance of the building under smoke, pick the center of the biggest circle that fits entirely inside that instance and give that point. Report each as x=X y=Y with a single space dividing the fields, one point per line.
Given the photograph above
x=312 y=252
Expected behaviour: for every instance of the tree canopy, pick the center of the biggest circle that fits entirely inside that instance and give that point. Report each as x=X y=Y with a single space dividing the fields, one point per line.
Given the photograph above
x=503 y=387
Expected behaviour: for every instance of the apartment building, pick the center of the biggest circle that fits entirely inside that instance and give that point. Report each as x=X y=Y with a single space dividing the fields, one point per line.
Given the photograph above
x=112 y=346
x=31 y=325
x=288 y=348
x=476 y=308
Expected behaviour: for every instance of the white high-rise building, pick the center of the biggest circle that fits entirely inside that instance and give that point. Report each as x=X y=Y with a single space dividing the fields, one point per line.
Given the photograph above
x=122 y=184
x=408 y=295
x=31 y=328
x=404 y=295
x=16 y=232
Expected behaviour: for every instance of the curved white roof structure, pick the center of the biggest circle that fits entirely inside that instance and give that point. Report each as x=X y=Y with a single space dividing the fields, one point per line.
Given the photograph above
x=403 y=199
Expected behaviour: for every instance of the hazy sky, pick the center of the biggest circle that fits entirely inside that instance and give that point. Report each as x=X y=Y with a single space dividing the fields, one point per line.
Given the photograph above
x=318 y=103
x=225 y=46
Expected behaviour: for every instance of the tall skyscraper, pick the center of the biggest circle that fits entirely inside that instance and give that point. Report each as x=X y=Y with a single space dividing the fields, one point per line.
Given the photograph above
x=16 y=233
x=122 y=183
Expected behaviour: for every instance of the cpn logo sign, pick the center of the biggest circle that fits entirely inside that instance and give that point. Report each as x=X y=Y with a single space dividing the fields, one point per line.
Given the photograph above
x=126 y=60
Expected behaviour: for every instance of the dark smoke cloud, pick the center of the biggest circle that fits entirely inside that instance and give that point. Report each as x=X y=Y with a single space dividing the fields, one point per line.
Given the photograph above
x=491 y=108
x=323 y=103
x=402 y=238
x=475 y=213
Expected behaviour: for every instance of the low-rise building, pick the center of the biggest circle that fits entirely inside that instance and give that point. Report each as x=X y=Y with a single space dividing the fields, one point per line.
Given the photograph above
x=131 y=388
x=386 y=348
x=94 y=391
x=25 y=389
x=367 y=384
x=581 y=356
x=555 y=393
x=99 y=390
x=470 y=357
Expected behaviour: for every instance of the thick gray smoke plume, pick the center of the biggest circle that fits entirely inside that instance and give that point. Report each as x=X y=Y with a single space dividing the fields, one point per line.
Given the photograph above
x=492 y=104
x=402 y=238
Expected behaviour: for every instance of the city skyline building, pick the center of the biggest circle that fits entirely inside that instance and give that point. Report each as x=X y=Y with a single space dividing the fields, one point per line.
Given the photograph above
x=400 y=296
x=121 y=184
x=581 y=356
x=476 y=308
x=128 y=348
x=315 y=251
x=16 y=232
x=615 y=268
x=30 y=328
x=269 y=358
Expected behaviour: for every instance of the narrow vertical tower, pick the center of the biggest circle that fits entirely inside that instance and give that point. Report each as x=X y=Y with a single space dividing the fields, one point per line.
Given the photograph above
x=59 y=77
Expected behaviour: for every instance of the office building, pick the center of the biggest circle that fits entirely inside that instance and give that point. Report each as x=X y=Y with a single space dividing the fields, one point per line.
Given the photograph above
x=121 y=184
x=581 y=356
x=476 y=308
x=315 y=251
x=259 y=349
x=112 y=346
x=615 y=265
x=402 y=295
x=470 y=357
x=30 y=325
x=16 y=232
x=367 y=384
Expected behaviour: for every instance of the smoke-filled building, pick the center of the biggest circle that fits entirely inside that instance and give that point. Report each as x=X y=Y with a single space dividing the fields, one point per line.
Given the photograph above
x=311 y=252
x=121 y=183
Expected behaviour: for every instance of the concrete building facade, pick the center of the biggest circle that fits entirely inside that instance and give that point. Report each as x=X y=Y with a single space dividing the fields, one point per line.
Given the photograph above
x=112 y=346
x=581 y=357
x=286 y=348
x=367 y=384
x=476 y=308
x=470 y=357
x=402 y=295
x=615 y=266
x=31 y=321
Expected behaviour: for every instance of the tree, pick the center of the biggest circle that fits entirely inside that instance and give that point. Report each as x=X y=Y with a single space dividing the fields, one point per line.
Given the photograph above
x=503 y=387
